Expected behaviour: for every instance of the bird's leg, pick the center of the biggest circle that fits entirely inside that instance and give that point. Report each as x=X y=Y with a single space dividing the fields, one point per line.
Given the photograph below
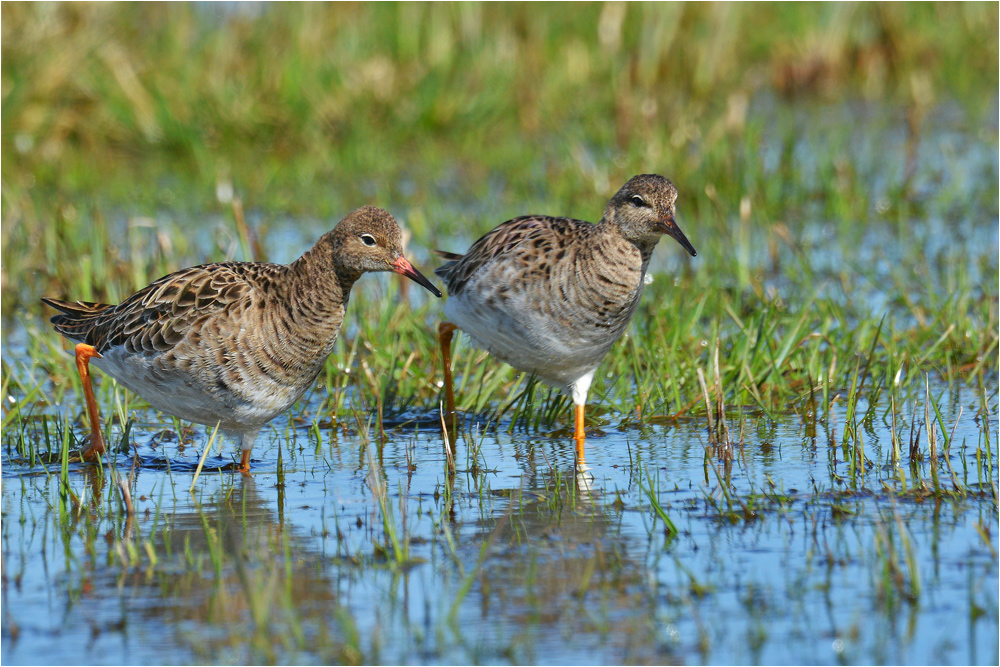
x=84 y=353
x=578 y=434
x=445 y=332
x=245 y=441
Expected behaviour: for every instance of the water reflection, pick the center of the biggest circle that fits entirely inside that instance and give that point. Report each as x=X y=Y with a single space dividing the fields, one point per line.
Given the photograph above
x=230 y=578
x=231 y=562
x=517 y=556
x=557 y=563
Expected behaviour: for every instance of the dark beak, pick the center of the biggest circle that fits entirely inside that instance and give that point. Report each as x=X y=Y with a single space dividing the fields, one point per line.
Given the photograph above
x=669 y=226
x=403 y=267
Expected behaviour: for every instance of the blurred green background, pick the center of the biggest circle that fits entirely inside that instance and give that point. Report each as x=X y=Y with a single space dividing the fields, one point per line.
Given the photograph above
x=837 y=165
x=459 y=116
x=299 y=98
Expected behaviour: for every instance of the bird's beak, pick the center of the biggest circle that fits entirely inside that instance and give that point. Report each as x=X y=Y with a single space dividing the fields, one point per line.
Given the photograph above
x=669 y=226
x=403 y=267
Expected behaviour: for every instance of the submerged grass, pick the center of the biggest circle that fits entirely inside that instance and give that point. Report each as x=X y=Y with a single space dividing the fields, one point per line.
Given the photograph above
x=838 y=175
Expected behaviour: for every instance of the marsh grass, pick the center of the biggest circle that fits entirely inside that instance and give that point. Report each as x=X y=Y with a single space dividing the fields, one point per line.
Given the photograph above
x=787 y=328
x=838 y=182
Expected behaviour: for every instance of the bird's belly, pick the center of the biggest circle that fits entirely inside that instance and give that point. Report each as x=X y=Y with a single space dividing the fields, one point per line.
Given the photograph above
x=557 y=348
x=199 y=396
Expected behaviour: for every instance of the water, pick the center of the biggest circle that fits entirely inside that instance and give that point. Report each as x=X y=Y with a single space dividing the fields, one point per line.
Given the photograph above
x=344 y=548
x=518 y=557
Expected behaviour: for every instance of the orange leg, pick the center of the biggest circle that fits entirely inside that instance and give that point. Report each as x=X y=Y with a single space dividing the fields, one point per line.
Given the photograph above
x=578 y=434
x=445 y=331
x=245 y=461
x=84 y=353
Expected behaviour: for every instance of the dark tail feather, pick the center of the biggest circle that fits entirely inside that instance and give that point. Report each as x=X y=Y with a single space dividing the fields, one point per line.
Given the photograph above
x=76 y=318
x=450 y=256
x=443 y=270
x=76 y=308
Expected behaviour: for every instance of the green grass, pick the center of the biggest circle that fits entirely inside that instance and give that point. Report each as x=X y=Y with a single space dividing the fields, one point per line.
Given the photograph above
x=838 y=176
x=119 y=123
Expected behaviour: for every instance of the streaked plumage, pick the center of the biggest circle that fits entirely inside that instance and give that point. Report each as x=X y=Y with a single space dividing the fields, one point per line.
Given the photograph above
x=550 y=296
x=237 y=343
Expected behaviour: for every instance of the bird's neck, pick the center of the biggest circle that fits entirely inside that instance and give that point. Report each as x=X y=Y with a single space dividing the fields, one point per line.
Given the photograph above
x=645 y=245
x=318 y=270
x=646 y=249
x=317 y=281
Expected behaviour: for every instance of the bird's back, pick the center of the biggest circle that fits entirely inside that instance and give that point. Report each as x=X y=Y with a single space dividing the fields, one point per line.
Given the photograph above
x=156 y=318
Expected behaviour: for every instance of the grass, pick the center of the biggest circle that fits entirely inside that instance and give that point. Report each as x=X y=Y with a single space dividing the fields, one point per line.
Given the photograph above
x=838 y=176
x=787 y=327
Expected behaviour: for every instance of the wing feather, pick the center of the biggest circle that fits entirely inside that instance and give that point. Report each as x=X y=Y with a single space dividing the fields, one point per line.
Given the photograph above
x=160 y=315
x=526 y=238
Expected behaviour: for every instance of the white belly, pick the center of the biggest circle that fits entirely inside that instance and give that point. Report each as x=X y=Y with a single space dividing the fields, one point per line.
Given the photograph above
x=530 y=339
x=193 y=396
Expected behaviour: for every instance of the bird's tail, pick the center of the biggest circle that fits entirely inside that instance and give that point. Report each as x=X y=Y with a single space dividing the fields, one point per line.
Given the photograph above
x=76 y=318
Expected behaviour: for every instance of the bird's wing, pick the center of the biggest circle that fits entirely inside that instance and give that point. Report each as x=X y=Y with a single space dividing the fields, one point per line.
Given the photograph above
x=158 y=316
x=521 y=241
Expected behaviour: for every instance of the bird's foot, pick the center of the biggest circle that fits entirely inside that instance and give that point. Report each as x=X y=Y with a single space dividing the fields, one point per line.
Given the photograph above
x=93 y=447
x=245 y=463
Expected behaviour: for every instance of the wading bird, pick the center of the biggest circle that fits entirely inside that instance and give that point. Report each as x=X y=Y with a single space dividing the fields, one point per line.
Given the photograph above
x=550 y=296
x=234 y=343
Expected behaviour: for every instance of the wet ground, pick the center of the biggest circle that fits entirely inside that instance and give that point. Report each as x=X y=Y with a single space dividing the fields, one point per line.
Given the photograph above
x=349 y=546
x=342 y=548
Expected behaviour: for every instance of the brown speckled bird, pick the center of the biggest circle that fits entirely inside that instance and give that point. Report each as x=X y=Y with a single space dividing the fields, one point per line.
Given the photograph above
x=550 y=296
x=234 y=343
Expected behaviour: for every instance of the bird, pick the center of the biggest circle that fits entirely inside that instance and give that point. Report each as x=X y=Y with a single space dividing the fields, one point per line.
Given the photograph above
x=551 y=295
x=232 y=344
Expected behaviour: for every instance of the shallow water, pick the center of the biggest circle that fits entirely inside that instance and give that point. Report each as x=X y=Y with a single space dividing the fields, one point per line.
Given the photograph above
x=347 y=547
x=517 y=557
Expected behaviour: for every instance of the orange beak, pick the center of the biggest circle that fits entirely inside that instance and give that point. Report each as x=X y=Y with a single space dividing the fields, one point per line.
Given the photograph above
x=403 y=267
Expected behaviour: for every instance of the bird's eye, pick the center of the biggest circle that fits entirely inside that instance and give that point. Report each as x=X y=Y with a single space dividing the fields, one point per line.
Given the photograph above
x=639 y=201
x=368 y=240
